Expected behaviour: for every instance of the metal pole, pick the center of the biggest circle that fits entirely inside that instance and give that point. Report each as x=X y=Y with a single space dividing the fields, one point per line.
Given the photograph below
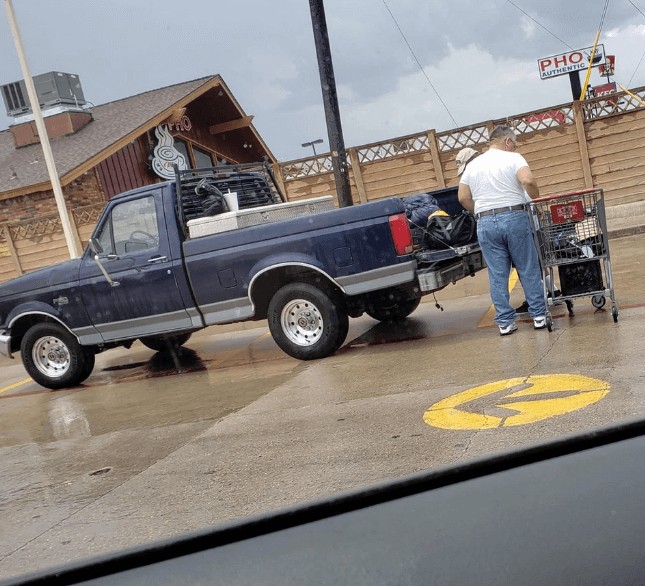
x=42 y=133
x=313 y=144
x=330 y=100
x=576 y=88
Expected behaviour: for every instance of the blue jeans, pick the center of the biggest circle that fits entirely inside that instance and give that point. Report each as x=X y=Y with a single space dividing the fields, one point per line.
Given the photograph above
x=504 y=239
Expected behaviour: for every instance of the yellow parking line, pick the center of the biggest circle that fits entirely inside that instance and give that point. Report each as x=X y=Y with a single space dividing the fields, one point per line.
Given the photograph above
x=487 y=320
x=14 y=385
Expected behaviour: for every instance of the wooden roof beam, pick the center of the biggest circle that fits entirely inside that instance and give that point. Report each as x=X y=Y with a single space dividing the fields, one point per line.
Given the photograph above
x=243 y=122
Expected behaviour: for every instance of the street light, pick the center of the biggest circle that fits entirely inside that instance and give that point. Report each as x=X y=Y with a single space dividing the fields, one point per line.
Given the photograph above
x=313 y=144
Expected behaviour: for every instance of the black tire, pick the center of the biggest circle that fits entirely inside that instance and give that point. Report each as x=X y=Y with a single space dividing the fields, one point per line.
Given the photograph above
x=53 y=357
x=307 y=322
x=393 y=311
x=614 y=314
x=160 y=343
x=90 y=360
x=598 y=301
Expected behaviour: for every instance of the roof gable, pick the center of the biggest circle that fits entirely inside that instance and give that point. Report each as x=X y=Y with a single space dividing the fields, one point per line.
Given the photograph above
x=114 y=124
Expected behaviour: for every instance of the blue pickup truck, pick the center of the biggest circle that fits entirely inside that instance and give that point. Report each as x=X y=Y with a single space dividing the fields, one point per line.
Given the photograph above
x=169 y=259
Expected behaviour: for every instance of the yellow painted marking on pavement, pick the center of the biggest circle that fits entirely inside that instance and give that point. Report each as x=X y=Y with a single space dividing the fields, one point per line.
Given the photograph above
x=576 y=391
x=487 y=320
x=14 y=385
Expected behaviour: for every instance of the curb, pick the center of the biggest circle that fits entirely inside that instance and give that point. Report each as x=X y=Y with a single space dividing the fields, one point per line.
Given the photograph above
x=628 y=231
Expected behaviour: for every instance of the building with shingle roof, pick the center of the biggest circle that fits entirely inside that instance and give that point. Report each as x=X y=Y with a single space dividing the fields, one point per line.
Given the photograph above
x=103 y=150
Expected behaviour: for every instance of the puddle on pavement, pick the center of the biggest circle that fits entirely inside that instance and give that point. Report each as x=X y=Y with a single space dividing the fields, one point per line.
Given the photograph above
x=140 y=403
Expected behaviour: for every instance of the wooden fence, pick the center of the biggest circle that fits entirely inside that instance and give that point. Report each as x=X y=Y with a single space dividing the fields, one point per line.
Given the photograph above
x=597 y=142
x=40 y=242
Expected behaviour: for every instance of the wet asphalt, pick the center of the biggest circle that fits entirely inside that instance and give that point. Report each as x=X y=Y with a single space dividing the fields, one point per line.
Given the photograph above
x=145 y=451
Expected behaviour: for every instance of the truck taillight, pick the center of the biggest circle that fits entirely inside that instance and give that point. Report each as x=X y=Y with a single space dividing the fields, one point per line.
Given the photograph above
x=401 y=234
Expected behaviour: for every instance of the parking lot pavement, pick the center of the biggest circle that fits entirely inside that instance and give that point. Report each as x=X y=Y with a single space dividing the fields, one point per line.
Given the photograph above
x=142 y=452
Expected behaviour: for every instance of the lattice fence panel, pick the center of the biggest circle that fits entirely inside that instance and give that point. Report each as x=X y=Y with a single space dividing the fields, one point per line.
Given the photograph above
x=87 y=215
x=393 y=148
x=459 y=138
x=610 y=105
x=36 y=229
x=308 y=167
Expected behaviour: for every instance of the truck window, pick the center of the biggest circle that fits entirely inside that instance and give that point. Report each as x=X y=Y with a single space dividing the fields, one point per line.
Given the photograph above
x=131 y=227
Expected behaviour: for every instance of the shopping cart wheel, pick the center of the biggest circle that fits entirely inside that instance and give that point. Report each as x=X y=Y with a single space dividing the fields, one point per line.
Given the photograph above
x=598 y=301
x=614 y=313
x=549 y=322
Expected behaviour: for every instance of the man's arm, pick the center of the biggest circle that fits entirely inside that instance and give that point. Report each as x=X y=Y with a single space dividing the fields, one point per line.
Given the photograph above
x=525 y=176
x=466 y=197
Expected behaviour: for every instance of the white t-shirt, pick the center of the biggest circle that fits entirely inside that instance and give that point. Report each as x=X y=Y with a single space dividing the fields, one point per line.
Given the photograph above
x=492 y=179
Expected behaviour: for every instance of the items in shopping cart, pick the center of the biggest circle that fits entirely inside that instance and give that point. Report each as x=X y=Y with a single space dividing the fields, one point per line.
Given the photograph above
x=570 y=232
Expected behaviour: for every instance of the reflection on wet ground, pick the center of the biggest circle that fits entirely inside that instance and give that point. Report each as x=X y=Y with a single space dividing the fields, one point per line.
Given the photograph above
x=121 y=397
x=147 y=447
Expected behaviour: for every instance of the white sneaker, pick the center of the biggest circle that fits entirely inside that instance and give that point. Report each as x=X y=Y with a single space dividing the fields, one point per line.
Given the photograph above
x=539 y=322
x=508 y=329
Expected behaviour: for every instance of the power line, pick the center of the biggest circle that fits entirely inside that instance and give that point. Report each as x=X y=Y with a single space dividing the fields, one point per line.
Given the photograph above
x=602 y=18
x=419 y=64
x=540 y=24
x=637 y=8
x=629 y=83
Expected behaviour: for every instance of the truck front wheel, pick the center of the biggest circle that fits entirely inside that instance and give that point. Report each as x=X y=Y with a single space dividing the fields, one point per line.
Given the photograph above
x=307 y=322
x=53 y=357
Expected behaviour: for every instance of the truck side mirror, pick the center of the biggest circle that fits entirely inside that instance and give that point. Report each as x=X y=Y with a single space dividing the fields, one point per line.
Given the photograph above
x=95 y=246
x=97 y=249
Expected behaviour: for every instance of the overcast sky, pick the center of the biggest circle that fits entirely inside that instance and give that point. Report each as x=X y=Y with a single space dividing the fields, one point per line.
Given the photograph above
x=479 y=55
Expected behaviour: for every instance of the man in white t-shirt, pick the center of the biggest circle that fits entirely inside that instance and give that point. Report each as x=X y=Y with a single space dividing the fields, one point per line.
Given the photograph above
x=496 y=187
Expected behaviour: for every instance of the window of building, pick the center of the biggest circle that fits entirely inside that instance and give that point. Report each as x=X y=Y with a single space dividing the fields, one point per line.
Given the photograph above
x=202 y=158
x=182 y=147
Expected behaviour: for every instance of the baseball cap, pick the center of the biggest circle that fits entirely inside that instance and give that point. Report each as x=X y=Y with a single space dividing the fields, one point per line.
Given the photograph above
x=463 y=157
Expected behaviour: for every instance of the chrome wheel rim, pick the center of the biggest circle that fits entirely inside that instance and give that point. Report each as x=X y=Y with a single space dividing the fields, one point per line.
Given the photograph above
x=51 y=356
x=301 y=322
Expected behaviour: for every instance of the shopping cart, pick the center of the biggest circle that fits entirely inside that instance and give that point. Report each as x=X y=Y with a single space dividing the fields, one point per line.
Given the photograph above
x=570 y=231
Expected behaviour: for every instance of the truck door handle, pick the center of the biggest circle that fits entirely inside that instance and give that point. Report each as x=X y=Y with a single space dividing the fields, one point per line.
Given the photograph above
x=157 y=259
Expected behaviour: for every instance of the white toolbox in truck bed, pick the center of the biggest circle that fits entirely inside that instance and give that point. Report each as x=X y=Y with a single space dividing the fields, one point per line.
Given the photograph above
x=260 y=215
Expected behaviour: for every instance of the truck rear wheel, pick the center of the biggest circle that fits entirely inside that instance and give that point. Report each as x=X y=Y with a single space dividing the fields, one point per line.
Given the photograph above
x=306 y=321
x=393 y=310
x=53 y=357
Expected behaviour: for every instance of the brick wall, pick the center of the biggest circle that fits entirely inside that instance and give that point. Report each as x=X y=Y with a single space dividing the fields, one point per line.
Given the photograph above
x=84 y=191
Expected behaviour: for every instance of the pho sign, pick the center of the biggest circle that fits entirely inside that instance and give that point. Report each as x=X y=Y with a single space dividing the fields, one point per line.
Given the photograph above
x=570 y=62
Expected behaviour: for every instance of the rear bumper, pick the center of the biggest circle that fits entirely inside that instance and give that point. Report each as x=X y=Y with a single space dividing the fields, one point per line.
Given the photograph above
x=5 y=345
x=438 y=276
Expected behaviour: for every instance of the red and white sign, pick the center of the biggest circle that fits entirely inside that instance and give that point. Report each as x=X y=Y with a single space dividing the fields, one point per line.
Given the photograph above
x=604 y=89
x=608 y=67
x=550 y=116
x=573 y=211
x=570 y=62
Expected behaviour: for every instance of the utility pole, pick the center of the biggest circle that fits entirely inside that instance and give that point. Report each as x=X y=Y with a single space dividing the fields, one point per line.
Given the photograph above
x=330 y=99
x=42 y=133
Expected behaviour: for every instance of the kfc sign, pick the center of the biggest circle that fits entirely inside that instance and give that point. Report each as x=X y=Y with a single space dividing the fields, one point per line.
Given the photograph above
x=570 y=62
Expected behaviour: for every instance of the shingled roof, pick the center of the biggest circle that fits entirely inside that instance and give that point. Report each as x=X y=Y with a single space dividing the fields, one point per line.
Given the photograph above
x=115 y=124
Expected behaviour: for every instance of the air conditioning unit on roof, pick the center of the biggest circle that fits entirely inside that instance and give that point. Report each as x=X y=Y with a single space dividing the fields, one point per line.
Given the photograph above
x=53 y=89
